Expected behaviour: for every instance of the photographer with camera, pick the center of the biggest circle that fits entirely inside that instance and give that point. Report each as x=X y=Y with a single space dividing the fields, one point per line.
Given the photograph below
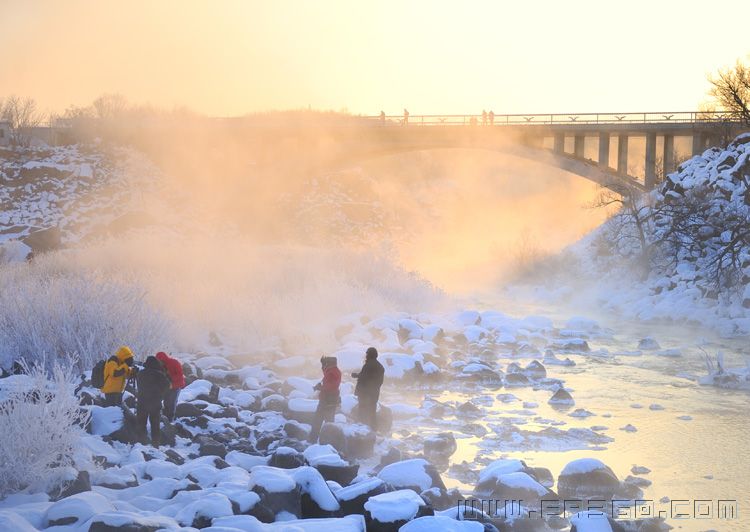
x=117 y=371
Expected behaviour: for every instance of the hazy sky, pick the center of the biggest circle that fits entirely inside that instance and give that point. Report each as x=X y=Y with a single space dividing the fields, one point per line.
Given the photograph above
x=231 y=57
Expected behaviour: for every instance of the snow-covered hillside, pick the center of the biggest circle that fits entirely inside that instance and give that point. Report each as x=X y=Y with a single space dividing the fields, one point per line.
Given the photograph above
x=66 y=193
x=697 y=234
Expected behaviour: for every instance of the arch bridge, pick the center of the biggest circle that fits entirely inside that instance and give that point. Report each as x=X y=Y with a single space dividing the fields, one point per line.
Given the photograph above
x=596 y=146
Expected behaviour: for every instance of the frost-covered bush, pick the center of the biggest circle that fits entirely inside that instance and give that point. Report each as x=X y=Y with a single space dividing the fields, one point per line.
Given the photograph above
x=49 y=309
x=40 y=426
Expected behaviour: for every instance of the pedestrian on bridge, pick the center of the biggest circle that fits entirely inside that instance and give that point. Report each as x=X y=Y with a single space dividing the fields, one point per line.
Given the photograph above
x=406 y=117
x=484 y=117
x=491 y=116
x=382 y=118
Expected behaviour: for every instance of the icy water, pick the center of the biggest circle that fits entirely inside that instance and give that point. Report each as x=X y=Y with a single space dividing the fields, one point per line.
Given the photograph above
x=693 y=438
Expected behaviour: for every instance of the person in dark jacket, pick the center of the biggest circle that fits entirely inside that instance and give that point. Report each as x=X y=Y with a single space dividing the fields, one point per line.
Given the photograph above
x=369 y=381
x=173 y=370
x=329 y=396
x=152 y=385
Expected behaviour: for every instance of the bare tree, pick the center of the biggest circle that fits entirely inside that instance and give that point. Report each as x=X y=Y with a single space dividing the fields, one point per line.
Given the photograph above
x=109 y=106
x=630 y=225
x=731 y=90
x=22 y=113
x=717 y=237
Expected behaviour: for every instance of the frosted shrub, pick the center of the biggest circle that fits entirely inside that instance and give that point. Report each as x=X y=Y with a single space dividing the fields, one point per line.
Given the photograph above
x=50 y=310
x=40 y=426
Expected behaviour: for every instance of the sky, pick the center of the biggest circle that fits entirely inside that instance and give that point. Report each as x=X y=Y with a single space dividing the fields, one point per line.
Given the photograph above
x=227 y=58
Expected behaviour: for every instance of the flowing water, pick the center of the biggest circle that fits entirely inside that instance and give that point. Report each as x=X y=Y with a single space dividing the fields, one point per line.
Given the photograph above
x=693 y=438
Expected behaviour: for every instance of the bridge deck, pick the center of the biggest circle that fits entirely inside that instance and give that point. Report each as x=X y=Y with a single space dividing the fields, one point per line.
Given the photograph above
x=673 y=119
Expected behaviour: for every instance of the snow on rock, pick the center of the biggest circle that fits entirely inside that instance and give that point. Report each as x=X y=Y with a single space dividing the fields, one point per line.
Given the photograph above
x=587 y=478
x=106 y=419
x=590 y=522
x=416 y=473
x=272 y=479
x=400 y=505
x=430 y=523
x=208 y=507
x=398 y=365
x=323 y=455
x=561 y=397
x=194 y=389
x=11 y=521
x=311 y=482
x=13 y=251
x=247 y=523
x=124 y=520
x=244 y=460
x=78 y=508
x=551 y=360
x=500 y=467
x=468 y=317
x=213 y=362
x=516 y=485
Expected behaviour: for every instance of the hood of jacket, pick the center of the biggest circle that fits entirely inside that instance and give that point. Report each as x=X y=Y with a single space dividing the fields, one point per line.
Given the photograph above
x=124 y=353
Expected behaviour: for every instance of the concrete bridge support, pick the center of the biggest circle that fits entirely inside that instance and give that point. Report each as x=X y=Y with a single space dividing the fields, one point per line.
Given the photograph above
x=622 y=154
x=604 y=149
x=559 y=146
x=650 y=167
x=699 y=142
x=668 y=158
x=578 y=145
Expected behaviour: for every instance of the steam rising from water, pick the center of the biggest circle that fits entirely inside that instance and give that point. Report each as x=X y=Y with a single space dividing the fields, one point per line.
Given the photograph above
x=274 y=256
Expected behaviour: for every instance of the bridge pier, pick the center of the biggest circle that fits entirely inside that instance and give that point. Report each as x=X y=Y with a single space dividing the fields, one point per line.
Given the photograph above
x=559 y=142
x=668 y=158
x=699 y=142
x=578 y=144
x=650 y=168
x=604 y=149
x=622 y=153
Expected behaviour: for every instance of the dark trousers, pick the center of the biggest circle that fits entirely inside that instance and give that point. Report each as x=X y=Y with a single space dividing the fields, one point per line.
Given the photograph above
x=170 y=402
x=326 y=411
x=152 y=414
x=113 y=399
x=368 y=412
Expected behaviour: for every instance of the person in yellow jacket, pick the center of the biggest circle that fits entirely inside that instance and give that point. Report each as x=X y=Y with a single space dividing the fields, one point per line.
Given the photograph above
x=117 y=370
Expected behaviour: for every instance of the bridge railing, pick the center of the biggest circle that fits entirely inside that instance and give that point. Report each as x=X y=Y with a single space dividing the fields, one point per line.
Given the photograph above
x=694 y=117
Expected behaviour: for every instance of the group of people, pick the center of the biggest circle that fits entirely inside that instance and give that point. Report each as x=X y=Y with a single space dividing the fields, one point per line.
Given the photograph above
x=367 y=390
x=157 y=384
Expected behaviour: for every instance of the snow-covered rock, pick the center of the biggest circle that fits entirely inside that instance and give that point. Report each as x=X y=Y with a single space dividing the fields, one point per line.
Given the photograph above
x=394 y=507
x=416 y=474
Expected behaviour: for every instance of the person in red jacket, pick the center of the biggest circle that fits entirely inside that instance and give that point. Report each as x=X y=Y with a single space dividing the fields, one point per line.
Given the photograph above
x=329 y=396
x=173 y=369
